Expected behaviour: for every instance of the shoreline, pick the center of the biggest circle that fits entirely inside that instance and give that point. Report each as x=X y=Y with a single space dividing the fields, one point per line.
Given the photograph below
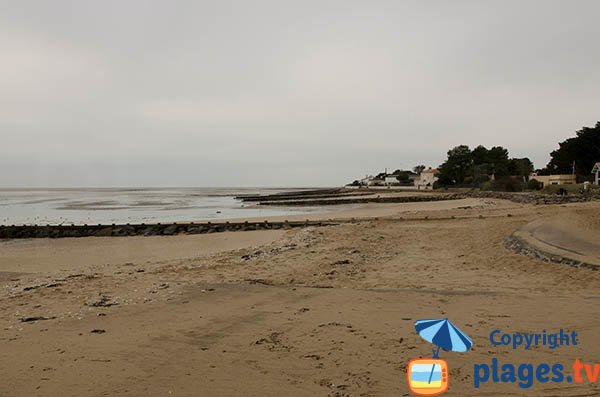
x=338 y=215
x=291 y=205
x=232 y=313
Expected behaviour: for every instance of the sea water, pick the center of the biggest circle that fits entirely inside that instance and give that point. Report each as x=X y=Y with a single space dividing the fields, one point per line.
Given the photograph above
x=134 y=205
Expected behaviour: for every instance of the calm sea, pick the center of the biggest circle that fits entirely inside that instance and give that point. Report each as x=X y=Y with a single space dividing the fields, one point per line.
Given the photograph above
x=148 y=205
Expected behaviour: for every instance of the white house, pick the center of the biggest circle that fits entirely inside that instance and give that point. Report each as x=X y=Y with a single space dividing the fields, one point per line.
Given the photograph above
x=391 y=180
x=596 y=170
x=426 y=179
x=367 y=180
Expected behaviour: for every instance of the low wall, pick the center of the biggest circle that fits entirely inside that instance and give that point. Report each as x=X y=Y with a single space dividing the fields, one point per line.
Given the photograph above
x=365 y=200
x=290 y=194
x=535 y=198
x=59 y=231
x=305 y=197
x=521 y=246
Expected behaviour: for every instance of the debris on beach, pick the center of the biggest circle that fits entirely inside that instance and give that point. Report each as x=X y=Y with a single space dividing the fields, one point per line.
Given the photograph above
x=32 y=319
x=273 y=342
x=254 y=254
x=45 y=285
x=259 y=281
x=342 y=262
x=272 y=338
x=102 y=301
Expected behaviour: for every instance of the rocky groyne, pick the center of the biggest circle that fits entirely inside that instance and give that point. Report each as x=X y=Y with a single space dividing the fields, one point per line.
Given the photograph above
x=297 y=194
x=115 y=230
x=364 y=200
x=534 y=198
x=342 y=197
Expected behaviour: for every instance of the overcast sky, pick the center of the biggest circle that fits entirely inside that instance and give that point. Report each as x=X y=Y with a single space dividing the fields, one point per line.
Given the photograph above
x=284 y=93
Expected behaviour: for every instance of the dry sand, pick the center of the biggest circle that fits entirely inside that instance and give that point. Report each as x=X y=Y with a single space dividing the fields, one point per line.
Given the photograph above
x=317 y=311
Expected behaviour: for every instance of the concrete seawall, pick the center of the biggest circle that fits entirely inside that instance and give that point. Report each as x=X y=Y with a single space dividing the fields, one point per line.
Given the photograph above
x=524 y=247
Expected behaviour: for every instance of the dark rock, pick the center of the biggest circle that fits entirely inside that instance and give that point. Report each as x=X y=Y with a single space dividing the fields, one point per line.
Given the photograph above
x=342 y=262
x=170 y=230
x=35 y=318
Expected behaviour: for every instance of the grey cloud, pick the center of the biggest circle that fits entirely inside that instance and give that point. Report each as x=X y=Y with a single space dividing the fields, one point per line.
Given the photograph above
x=283 y=93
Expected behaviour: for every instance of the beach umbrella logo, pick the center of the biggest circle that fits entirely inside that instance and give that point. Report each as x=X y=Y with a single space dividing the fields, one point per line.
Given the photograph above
x=429 y=376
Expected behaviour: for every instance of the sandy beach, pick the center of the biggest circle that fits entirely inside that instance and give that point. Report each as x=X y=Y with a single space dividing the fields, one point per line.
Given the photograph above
x=273 y=199
x=325 y=311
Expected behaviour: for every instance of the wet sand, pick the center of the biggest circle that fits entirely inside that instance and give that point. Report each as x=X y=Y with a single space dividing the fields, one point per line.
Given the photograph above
x=99 y=253
x=315 y=311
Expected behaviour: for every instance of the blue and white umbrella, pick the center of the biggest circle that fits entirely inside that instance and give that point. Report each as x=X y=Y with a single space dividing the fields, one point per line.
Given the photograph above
x=443 y=334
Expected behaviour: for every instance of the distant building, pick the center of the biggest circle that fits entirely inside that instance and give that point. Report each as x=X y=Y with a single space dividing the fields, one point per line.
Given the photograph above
x=400 y=178
x=596 y=170
x=376 y=181
x=547 y=180
x=391 y=180
x=367 y=180
x=426 y=179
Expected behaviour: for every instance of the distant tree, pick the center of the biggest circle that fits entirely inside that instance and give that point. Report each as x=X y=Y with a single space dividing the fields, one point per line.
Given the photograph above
x=402 y=177
x=583 y=149
x=498 y=159
x=417 y=169
x=457 y=166
x=480 y=155
x=474 y=168
x=520 y=167
x=543 y=171
x=481 y=174
x=481 y=166
x=508 y=184
x=487 y=162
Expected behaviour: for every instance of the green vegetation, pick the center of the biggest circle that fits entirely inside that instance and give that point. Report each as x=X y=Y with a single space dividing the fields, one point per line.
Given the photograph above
x=583 y=149
x=477 y=167
x=493 y=169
